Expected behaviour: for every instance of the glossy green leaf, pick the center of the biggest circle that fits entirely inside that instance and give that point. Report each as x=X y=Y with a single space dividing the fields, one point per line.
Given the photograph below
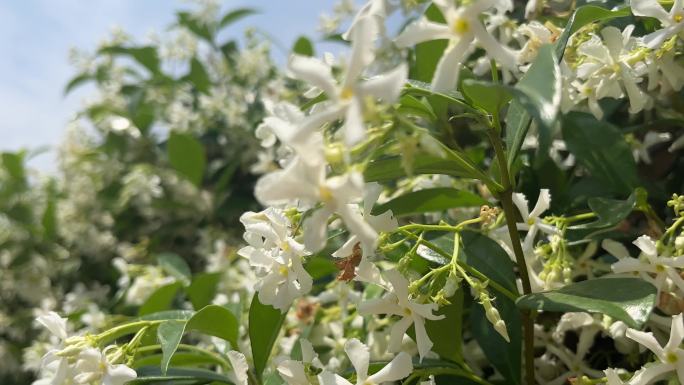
x=538 y=94
x=303 y=46
x=235 y=15
x=410 y=105
x=187 y=156
x=13 y=162
x=609 y=212
x=175 y=266
x=202 y=289
x=147 y=56
x=199 y=76
x=485 y=255
x=264 y=325
x=216 y=321
x=606 y=156
x=430 y=200
x=77 y=81
x=182 y=315
x=152 y=375
x=196 y=26
x=485 y=95
x=161 y=299
x=446 y=332
x=629 y=300
x=169 y=335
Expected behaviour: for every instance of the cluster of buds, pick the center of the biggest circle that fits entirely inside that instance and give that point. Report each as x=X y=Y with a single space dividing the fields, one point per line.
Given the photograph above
x=493 y=316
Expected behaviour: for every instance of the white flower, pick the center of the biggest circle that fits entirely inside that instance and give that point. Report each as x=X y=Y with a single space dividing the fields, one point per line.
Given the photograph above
x=670 y=357
x=650 y=139
x=612 y=377
x=462 y=28
x=381 y=223
x=359 y=355
x=294 y=372
x=673 y=21
x=607 y=64
x=532 y=221
x=346 y=99
x=308 y=184
x=92 y=366
x=650 y=266
x=398 y=302
x=240 y=368
x=55 y=324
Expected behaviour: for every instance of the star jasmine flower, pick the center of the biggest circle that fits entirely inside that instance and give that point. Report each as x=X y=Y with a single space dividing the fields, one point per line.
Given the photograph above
x=607 y=62
x=612 y=377
x=381 y=223
x=294 y=372
x=398 y=302
x=532 y=221
x=55 y=324
x=93 y=367
x=672 y=22
x=650 y=266
x=463 y=26
x=641 y=152
x=309 y=185
x=347 y=99
x=359 y=355
x=670 y=357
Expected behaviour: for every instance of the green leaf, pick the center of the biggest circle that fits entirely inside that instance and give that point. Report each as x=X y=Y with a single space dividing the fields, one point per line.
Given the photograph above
x=199 y=76
x=182 y=315
x=202 y=290
x=485 y=255
x=319 y=267
x=49 y=219
x=410 y=105
x=187 y=156
x=216 y=321
x=430 y=200
x=235 y=15
x=175 y=266
x=486 y=95
x=76 y=81
x=264 y=325
x=446 y=332
x=160 y=299
x=152 y=375
x=169 y=335
x=196 y=26
x=602 y=150
x=610 y=212
x=391 y=168
x=303 y=46
x=13 y=162
x=147 y=56
x=629 y=300
x=538 y=93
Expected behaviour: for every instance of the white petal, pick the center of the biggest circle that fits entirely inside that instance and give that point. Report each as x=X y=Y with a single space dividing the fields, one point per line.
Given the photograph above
x=616 y=249
x=316 y=230
x=400 y=367
x=647 y=246
x=359 y=227
x=613 y=39
x=422 y=339
x=359 y=355
x=655 y=39
x=314 y=72
x=54 y=323
x=386 y=86
x=543 y=203
x=649 y=373
x=293 y=372
x=503 y=55
x=363 y=39
x=354 y=128
x=327 y=378
x=397 y=333
x=520 y=202
x=420 y=31
x=347 y=248
x=647 y=340
x=399 y=284
x=650 y=8
x=449 y=66
x=676 y=333
x=298 y=181
x=119 y=375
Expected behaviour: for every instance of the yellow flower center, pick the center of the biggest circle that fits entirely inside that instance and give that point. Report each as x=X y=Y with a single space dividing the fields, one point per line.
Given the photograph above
x=283 y=270
x=407 y=312
x=346 y=93
x=660 y=268
x=531 y=221
x=460 y=26
x=325 y=193
x=678 y=17
x=285 y=246
x=671 y=357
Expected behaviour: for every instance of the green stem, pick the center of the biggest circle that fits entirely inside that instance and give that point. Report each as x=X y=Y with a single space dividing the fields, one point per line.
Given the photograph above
x=506 y=198
x=122 y=330
x=421 y=373
x=471 y=270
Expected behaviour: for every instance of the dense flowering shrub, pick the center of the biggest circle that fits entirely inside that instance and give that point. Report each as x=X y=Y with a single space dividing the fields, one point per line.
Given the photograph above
x=488 y=195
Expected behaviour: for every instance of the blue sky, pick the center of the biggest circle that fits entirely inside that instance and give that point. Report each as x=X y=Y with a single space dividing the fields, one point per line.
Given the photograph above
x=35 y=37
